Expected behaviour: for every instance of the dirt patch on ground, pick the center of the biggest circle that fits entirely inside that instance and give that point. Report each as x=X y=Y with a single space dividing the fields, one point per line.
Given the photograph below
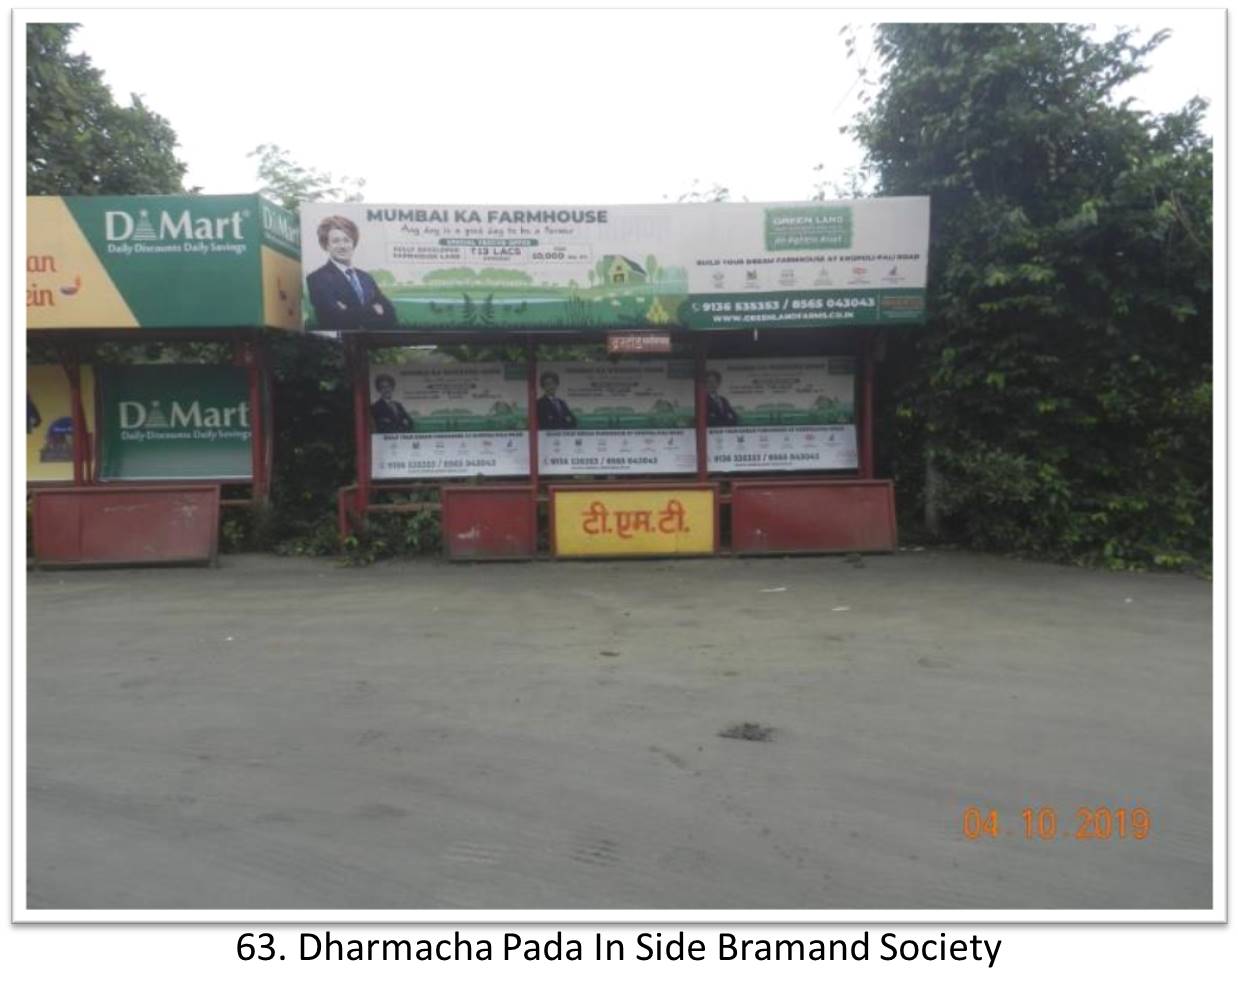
x=747 y=731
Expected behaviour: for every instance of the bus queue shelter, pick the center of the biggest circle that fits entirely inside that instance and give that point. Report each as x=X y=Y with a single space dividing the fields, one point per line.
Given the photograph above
x=130 y=462
x=734 y=349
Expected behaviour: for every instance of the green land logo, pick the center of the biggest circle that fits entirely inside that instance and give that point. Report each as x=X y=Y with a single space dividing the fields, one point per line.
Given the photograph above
x=808 y=227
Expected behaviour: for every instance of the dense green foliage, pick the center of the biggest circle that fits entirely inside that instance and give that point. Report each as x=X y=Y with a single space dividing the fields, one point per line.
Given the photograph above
x=78 y=139
x=1062 y=389
x=311 y=396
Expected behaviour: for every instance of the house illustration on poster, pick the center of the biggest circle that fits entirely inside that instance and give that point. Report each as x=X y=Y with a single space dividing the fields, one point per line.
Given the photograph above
x=621 y=270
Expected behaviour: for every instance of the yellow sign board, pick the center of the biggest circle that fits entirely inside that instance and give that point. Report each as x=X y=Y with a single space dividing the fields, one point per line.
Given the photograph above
x=67 y=284
x=281 y=290
x=49 y=421
x=634 y=522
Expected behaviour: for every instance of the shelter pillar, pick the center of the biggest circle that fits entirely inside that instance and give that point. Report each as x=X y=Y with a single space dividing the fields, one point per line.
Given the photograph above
x=867 y=467
x=701 y=356
x=357 y=354
x=248 y=353
x=70 y=361
x=531 y=378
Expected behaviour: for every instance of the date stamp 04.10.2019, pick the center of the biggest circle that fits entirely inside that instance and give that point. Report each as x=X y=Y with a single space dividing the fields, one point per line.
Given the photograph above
x=1041 y=823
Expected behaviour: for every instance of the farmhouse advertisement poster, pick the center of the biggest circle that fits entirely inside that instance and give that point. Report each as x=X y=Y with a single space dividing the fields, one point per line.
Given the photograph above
x=449 y=420
x=683 y=266
x=776 y=415
x=618 y=417
x=169 y=422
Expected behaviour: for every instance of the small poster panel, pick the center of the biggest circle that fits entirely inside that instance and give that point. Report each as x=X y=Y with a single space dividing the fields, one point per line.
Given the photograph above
x=630 y=416
x=174 y=422
x=449 y=420
x=49 y=420
x=796 y=413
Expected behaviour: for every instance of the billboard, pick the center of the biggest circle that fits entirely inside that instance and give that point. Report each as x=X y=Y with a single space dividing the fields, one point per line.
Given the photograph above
x=166 y=262
x=796 y=413
x=449 y=420
x=682 y=266
x=49 y=421
x=163 y=422
x=630 y=416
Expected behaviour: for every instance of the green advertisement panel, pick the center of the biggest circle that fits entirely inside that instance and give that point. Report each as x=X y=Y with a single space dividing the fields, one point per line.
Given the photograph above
x=448 y=419
x=161 y=262
x=790 y=413
x=813 y=309
x=626 y=416
x=387 y=267
x=162 y=422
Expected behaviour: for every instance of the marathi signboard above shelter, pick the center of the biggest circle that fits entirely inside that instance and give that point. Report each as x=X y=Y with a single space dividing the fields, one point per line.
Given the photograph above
x=174 y=262
x=381 y=267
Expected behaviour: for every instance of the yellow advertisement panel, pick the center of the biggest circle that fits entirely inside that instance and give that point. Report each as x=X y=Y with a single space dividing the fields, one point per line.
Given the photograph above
x=49 y=421
x=281 y=290
x=662 y=522
x=67 y=286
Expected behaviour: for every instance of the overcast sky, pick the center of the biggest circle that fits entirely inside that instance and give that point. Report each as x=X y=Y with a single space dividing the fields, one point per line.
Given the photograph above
x=537 y=106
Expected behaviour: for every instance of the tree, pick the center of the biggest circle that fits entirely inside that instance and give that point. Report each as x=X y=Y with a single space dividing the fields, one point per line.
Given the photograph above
x=715 y=194
x=314 y=447
x=78 y=139
x=855 y=184
x=1062 y=388
x=290 y=184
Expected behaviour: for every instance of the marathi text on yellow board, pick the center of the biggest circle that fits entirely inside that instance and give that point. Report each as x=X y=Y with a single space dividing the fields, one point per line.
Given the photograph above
x=638 y=523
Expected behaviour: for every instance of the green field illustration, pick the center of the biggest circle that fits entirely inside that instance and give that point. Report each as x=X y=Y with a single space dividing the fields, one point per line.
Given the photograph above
x=502 y=417
x=619 y=293
x=825 y=411
x=662 y=415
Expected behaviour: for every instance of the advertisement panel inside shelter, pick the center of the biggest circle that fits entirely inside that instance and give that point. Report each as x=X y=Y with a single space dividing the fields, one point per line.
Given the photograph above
x=444 y=419
x=629 y=416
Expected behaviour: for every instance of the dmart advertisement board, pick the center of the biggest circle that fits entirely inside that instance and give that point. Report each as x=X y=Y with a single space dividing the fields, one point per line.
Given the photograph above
x=767 y=415
x=174 y=422
x=682 y=266
x=449 y=420
x=633 y=416
x=171 y=262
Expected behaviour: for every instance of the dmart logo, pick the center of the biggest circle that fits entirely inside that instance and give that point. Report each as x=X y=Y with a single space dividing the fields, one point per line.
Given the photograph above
x=121 y=226
x=137 y=415
x=173 y=231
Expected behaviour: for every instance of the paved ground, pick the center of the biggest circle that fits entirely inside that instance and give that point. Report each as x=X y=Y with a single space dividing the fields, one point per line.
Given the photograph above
x=292 y=734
